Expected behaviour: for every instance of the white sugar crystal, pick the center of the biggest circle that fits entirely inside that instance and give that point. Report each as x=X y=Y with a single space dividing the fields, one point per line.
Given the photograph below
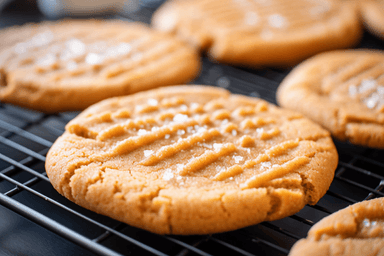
x=168 y=175
x=238 y=159
x=206 y=145
x=275 y=165
x=20 y=48
x=231 y=178
x=142 y=132
x=180 y=132
x=266 y=165
x=367 y=85
x=148 y=153
x=251 y=18
x=179 y=177
x=201 y=129
x=75 y=46
x=167 y=136
x=224 y=122
x=374 y=223
x=179 y=167
x=154 y=129
x=47 y=60
x=372 y=101
x=152 y=102
x=248 y=150
x=183 y=107
x=194 y=105
x=180 y=118
x=217 y=146
x=277 y=21
x=352 y=90
x=234 y=132
x=366 y=223
x=260 y=130
x=94 y=58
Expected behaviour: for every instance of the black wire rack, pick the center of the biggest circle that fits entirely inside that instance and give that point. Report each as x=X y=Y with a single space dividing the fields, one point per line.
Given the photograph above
x=36 y=220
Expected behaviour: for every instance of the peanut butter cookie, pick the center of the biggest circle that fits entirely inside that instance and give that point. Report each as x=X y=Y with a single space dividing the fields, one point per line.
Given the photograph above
x=191 y=160
x=343 y=91
x=262 y=32
x=69 y=65
x=354 y=231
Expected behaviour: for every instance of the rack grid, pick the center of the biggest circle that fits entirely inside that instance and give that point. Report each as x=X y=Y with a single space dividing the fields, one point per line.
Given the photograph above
x=36 y=220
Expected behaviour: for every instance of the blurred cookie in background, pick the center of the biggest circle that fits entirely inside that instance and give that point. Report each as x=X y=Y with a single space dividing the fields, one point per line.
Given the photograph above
x=341 y=90
x=372 y=13
x=71 y=64
x=261 y=33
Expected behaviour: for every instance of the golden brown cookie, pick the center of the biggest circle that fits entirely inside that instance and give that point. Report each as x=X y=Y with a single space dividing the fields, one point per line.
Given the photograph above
x=69 y=65
x=191 y=160
x=354 y=231
x=262 y=32
x=343 y=91
x=372 y=13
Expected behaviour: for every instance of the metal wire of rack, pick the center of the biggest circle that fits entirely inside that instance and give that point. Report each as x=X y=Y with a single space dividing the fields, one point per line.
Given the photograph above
x=47 y=223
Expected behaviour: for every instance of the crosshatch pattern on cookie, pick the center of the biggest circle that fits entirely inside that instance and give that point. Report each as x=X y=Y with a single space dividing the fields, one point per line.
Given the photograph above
x=265 y=17
x=211 y=142
x=184 y=128
x=299 y=28
x=351 y=88
x=69 y=55
x=79 y=51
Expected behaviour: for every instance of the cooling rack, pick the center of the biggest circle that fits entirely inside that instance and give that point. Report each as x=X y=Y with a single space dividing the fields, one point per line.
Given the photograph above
x=36 y=220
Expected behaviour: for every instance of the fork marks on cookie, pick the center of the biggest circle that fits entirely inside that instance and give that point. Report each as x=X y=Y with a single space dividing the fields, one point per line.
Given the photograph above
x=231 y=144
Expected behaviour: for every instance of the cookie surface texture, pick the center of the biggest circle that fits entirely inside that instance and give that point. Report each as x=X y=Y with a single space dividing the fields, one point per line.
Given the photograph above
x=354 y=231
x=72 y=64
x=191 y=160
x=343 y=91
x=261 y=33
x=372 y=13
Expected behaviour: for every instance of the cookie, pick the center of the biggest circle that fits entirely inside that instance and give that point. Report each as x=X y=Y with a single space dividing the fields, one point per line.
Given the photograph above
x=343 y=91
x=372 y=14
x=354 y=231
x=191 y=160
x=261 y=33
x=72 y=64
